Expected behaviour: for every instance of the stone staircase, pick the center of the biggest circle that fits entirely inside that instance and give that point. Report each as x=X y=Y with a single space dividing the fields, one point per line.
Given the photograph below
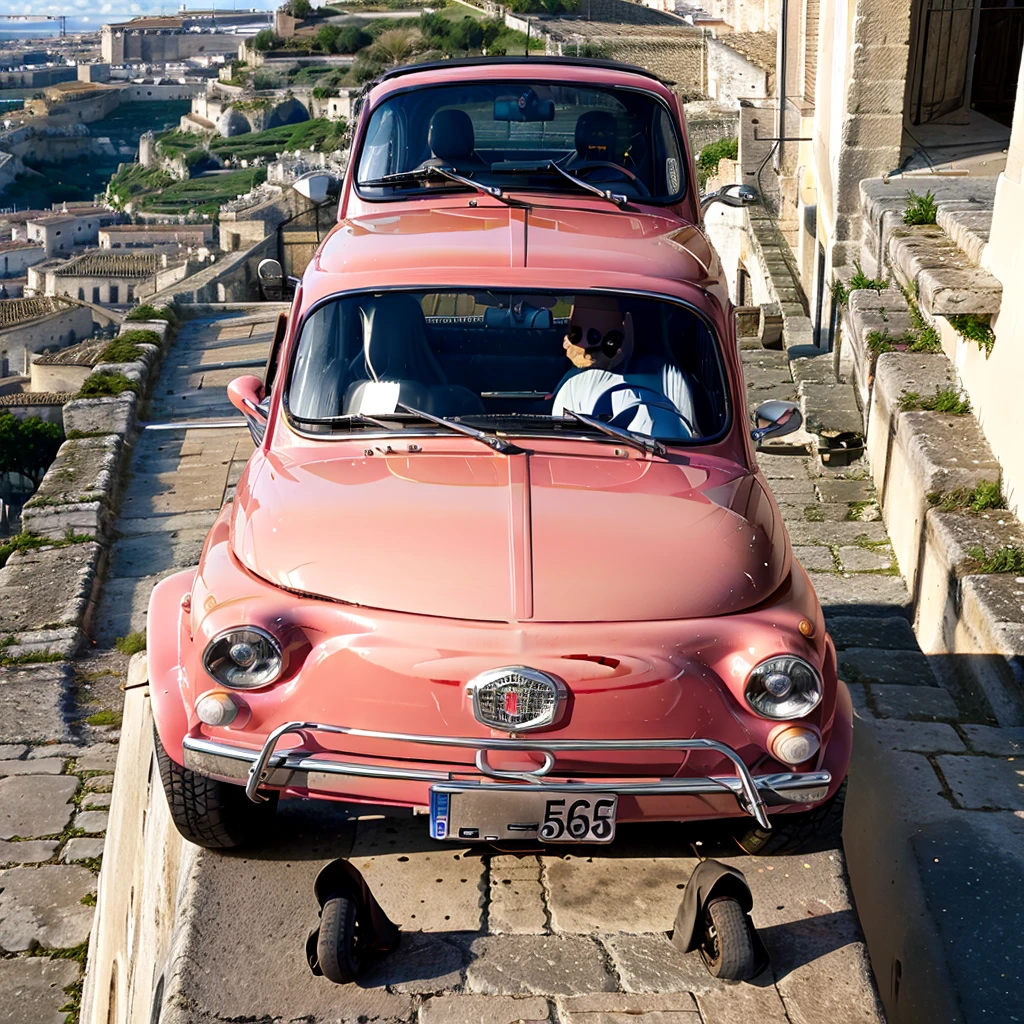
x=936 y=476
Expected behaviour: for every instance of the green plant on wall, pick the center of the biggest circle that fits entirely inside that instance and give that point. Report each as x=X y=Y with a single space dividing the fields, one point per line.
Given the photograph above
x=920 y=209
x=973 y=327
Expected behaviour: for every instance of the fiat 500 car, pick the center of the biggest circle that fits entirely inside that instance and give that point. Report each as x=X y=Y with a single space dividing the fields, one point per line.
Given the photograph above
x=515 y=128
x=502 y=553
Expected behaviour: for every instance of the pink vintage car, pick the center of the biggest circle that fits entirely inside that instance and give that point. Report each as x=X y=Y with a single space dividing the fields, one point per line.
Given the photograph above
x=503 y=554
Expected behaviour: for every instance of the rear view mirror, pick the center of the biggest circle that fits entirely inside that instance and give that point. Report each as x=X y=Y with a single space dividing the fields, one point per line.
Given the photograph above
x=774 y=419
x=527 y=107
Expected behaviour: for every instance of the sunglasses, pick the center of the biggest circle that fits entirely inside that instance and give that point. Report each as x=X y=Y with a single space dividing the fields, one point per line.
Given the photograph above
x=609 y=343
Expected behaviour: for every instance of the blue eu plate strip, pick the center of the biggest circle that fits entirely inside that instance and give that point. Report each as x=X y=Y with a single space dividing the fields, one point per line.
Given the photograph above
x=439 y=815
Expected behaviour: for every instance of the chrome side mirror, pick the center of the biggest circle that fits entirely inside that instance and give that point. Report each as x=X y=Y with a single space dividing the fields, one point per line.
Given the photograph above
x=246 y=395
x=318 y=186
x=774 y=419
x=732 y=195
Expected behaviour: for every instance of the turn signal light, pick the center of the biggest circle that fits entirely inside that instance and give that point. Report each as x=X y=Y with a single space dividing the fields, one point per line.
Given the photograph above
x=217 y=709
x=794 y=745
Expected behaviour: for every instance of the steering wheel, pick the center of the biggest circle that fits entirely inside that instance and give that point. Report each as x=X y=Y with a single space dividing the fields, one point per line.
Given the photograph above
x=591 y=165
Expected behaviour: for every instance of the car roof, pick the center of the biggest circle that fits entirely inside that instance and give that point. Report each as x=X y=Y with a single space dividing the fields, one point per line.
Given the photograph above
x=584 y=71
x=545 y=60
x=548 y=246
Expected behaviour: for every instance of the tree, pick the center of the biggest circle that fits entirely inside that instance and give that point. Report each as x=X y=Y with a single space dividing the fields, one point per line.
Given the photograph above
x=267 y=39
x=28 y=446
x=397 y=44
x=300 y=8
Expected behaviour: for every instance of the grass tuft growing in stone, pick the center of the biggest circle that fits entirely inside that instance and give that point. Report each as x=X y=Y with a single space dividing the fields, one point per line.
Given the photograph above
x=861 y=280
x=920 y=209
x=984 y=496
x=926 y=337
x=104 y=718
x=814 y=514
x=1009 y=558
x=945 y=400
x=882 y=341
x=132 y=643
x=125 y=347
x=102 y=385
x=975 y=328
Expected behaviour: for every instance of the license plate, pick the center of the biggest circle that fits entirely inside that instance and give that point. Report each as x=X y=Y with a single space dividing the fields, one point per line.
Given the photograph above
x=560 y=817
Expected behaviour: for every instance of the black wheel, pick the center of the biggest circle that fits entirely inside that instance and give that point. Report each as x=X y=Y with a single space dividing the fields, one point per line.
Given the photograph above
x=791 y=833
x=338 y=947
x=217 y=815
x=727 y=950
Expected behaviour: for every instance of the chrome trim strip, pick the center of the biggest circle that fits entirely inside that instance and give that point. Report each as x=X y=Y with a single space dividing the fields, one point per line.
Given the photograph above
x=747 y=792
x=787 y=787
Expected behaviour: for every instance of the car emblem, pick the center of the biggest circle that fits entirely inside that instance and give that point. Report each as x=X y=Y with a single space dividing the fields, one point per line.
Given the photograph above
x=516 y=699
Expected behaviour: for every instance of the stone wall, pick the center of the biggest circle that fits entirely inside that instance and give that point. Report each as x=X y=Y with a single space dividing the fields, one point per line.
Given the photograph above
x=707 y=122
x=732 y=76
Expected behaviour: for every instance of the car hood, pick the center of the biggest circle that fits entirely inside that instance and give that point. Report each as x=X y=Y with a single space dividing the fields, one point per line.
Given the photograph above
x=582 y=538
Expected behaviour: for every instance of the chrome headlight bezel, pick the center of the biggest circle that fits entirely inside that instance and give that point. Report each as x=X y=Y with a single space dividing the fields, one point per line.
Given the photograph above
x=268 y=667
x=798 y=702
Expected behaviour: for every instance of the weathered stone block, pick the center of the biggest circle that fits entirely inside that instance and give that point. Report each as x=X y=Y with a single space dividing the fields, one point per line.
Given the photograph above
x=43 y=907
x=33 y=989
x=112 y=415
x=927 y=703
x=48 y=587
x=959 y=290
x=466 y=1009
x=922 y=737
x=619 y=1008
x=32 y=703
x=85 y=471
x=895 y=634
x=537 y=965
x=35 y=805
x=83 y=519
x=79 y=849
x=988 y=740
x=32 y=851
x=870 y=665
x=984 y=782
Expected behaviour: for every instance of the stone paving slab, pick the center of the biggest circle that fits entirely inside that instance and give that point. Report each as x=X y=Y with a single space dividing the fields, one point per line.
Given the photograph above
x=35 y=989
x=984 y=782
x=34 y=699
x=482 y=1010
x=42 y=906
x=537 y=965
x=35 y=805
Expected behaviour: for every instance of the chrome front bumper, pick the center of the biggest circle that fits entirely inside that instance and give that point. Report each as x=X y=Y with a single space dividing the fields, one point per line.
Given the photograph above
x=270 y=768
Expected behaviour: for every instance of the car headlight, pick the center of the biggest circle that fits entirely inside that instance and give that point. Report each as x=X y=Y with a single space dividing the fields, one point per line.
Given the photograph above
x=243 y=658
x=783 y=687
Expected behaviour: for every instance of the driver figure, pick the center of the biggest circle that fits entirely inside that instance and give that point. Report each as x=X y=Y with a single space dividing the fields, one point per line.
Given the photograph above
x=647 y=395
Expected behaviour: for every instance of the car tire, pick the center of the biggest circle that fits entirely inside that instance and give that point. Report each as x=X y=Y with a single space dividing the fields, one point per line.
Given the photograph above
x=792 y=833
x=337 y=948
x=728 y=949
x=209 y=813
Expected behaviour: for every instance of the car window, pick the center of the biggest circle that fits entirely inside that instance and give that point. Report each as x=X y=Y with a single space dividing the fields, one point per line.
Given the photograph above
x=506 y=134
x=498 y=359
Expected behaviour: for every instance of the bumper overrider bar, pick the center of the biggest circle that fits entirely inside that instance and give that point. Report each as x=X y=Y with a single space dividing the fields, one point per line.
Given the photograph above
x=268 y=767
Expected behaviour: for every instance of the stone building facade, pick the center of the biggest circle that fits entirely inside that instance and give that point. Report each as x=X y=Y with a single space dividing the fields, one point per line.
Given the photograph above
x=29 y=326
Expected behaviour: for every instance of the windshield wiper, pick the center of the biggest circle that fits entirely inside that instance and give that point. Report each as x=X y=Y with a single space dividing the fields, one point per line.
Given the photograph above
x=492 y=441
x=641 y=441
x=434 y=171
x=538 y=168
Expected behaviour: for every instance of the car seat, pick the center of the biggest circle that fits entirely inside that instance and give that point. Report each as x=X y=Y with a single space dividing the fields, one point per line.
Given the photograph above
x=452 y=141
x=597 y=138
x=395 y=348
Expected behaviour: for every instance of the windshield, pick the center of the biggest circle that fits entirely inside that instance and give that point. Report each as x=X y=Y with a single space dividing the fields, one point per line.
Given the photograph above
x=507 y=134
x=504 y=361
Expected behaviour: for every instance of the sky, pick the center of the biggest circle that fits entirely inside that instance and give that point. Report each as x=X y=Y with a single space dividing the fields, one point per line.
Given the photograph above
x=101 y=10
